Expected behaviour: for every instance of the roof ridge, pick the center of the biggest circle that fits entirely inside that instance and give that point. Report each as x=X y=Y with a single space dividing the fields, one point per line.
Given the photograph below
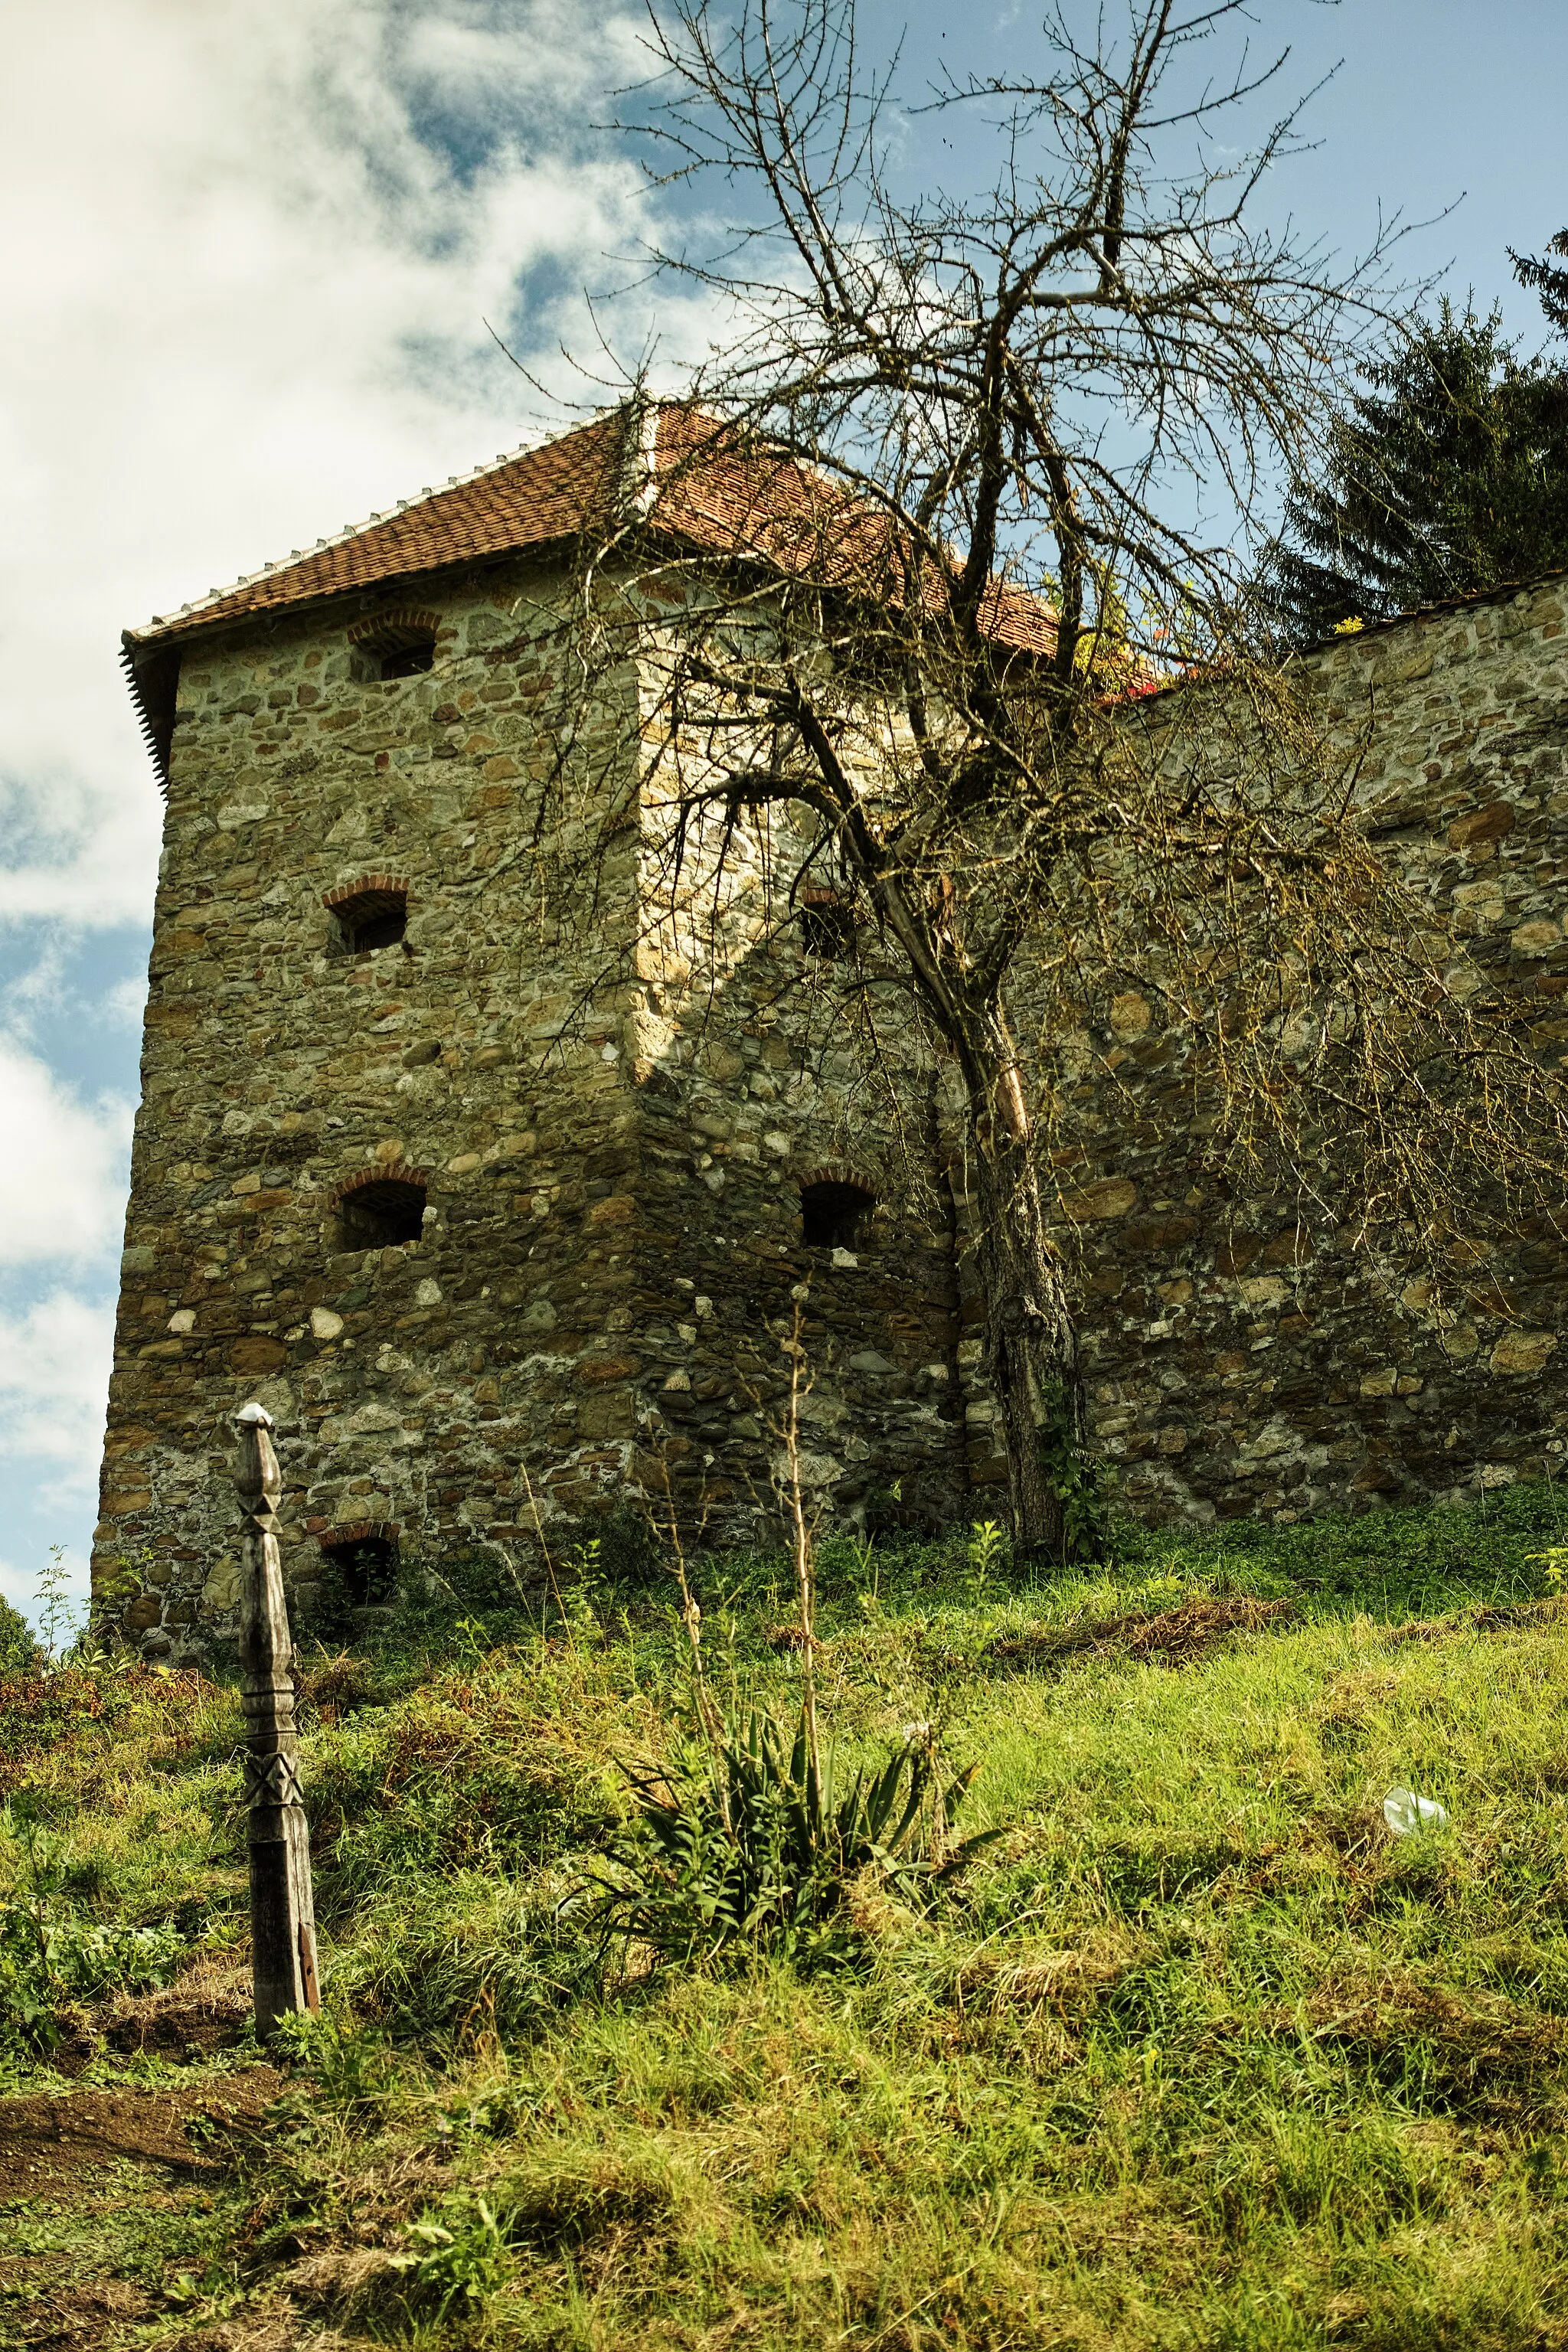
x=198 y=605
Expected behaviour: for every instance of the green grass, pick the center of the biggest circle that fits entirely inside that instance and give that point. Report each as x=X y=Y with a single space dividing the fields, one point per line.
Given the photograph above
x=1195 y=2056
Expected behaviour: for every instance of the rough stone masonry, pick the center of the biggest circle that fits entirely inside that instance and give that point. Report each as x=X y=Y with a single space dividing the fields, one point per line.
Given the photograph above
x=498 y=1206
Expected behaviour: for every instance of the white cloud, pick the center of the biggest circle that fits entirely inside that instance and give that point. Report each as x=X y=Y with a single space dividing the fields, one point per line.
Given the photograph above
x=252 y=256
x=62 y=1169
x=55 y=1359
x=124 y=1003
x=249 y=306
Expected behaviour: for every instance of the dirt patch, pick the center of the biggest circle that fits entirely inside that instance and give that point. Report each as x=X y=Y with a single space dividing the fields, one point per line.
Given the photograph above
x=208 y=2007
x=103 y=2318
x=1166 y=1637
x=55 y=2144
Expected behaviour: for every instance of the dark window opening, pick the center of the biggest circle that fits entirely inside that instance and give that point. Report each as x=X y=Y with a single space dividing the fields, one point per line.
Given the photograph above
x=832 y=1214
x=827 y=926
x=382 y=1215
x=396 y=648
x=368 y=1566
x=370 y=919
x=410 y=660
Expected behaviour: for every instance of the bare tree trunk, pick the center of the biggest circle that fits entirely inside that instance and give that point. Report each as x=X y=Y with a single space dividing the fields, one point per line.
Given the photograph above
x=1031 y=1349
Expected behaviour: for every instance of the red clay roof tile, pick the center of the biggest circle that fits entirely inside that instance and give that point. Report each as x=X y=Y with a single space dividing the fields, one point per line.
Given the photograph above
x=706 y=487
x=545 y=494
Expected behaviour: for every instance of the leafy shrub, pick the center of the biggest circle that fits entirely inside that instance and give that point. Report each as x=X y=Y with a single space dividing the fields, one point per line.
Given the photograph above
x=1078 y=1477
x=19 y=1652
x=331 y=1616
x=483 y=1583
x=616 y=1546
x=50 y=1958
x=352 y=2068
x=757 y=1843
x=459 y=2265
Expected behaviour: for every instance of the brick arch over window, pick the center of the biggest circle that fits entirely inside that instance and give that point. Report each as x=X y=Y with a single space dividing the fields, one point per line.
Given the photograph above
x=835 y=1203
x=381 y=1207
x=395 y=642
x=400 y=617
x=396 y=884
x=366 y=1554
x=399 y=1174
x=371 y=912
x=836 y=1172
x=330 y=1535
x=825 y=917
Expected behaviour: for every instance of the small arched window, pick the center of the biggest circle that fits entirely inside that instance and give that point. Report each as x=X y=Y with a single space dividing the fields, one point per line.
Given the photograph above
x=367 y=1562
x=370 y=915
x=383 y=1213
x=833 y=1212
x=827 y=924
x=393 y=644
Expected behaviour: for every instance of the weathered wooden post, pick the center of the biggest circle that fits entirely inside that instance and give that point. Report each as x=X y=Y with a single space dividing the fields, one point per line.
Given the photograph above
x=282 y=1910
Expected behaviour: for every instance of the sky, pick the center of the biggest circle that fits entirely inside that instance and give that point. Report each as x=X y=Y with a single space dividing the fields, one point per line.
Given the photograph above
x=254 y=260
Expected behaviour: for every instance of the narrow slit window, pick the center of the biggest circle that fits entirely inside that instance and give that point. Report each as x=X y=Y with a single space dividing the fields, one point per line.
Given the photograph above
x=382 y=1215
x=370 y=919
x=368 y=1566
x=832 y=1214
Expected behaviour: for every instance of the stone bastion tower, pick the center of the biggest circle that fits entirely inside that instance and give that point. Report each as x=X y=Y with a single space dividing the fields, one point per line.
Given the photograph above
x=496 y=1190
x=487 y=1198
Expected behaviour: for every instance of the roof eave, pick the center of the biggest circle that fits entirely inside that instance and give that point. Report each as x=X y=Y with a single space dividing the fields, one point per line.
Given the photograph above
x=151 y=658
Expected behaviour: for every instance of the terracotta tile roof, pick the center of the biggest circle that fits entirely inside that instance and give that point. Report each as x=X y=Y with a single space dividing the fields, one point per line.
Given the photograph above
x=742 y=498
x=543 y=494
x=703 y=484
x=673 y=469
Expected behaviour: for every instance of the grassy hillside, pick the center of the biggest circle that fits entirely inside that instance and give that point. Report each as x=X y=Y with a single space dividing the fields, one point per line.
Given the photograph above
x=1194 y=2054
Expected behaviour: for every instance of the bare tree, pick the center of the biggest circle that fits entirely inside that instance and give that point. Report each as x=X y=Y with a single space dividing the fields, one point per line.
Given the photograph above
x=972 y=483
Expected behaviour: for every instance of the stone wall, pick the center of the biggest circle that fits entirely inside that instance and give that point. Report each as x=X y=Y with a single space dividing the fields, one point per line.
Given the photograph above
x=614 y=1094
x=275 y=1070
x=612 y=1155
x=1240 y=1358
x=766 y=1067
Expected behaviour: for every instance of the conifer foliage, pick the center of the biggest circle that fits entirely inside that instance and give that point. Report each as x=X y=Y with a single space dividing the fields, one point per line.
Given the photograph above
x=1446 y=474
x=1546 y=280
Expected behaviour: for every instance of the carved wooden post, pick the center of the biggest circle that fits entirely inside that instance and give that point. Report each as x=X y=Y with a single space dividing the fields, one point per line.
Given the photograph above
x=282 y=1911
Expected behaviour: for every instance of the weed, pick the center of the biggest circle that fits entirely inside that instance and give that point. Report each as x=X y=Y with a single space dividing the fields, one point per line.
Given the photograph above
x=59 y=1619
x=352 y=2067
x=51 y=1959
x=759 y=1841
x=461 y=2263
x=1077 y=1478
x=986 y=1553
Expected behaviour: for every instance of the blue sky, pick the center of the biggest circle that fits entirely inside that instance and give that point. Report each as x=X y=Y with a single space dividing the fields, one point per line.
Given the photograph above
x=247 y=306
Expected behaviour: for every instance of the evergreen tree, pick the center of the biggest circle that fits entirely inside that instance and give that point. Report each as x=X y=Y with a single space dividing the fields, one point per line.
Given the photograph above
x=1546 y=282
x=1445 y=475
